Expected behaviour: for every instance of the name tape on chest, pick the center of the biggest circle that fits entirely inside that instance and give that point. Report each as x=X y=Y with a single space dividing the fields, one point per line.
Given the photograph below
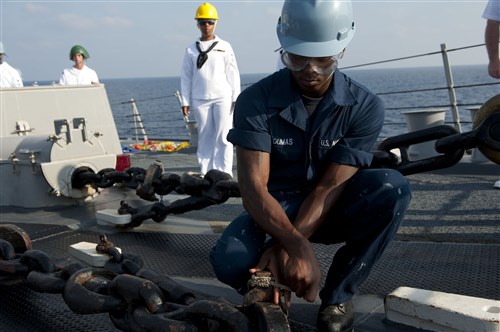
x=323 y=142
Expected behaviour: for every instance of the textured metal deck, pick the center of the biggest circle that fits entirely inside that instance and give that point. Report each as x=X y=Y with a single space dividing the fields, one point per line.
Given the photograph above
x=467 y=269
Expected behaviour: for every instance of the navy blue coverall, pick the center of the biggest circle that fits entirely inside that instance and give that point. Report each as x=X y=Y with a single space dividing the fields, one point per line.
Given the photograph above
x=271 y=117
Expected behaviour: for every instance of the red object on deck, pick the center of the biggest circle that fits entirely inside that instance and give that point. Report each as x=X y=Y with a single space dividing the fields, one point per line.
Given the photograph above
x=122 y=162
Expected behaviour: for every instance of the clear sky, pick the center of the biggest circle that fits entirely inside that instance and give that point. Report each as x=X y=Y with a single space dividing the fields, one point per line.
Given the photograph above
x=129 y=39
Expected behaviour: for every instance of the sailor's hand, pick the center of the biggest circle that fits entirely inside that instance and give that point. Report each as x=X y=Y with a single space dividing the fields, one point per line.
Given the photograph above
x=185 y=110
x=273 y=260
x=302 y=272
x=494 y=68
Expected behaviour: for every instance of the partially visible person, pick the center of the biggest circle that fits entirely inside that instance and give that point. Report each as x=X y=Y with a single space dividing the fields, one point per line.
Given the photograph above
x=492 y=39
x=303 y=138
x=80 y=73
x=279 y=63
x=492 y=36
x=210 y=84
x=9 y=76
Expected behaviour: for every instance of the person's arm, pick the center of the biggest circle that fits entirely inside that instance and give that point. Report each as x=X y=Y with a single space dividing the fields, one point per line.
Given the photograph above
x=320 y=201
x=62 y=79
x=18 y=81
x=492 y=38
x=233 y=74
x=253 y=175
x=301 y=270
x=186 y=83
x=95 y=78
x=312 y=215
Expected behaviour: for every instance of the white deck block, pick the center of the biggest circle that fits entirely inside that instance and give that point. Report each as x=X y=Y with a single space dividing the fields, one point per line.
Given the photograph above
x=111 y=217
x=85 y=251
x=438 y=311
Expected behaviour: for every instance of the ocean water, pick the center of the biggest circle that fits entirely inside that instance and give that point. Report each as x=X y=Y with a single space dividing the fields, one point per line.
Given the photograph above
x=161 y=116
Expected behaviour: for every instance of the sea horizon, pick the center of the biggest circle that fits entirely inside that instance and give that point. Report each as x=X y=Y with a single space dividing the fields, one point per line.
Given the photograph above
x=347 y=69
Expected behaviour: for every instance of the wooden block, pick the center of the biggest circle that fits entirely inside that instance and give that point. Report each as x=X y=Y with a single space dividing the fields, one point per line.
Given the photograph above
x=85 y=251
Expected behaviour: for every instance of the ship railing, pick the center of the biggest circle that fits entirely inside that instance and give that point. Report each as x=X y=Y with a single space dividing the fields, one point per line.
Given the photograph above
x=453 y=104
x=138 y=129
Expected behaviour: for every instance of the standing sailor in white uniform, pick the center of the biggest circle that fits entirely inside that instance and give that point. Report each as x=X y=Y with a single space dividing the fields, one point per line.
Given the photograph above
x=80 y=73
x=9 y=76
x=210 y=84
x=492 y=36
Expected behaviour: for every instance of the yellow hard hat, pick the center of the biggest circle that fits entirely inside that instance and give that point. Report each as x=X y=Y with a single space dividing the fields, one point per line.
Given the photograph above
x=206 y=11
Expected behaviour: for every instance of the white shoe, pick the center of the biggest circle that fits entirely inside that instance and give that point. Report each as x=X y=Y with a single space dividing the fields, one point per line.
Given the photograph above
x=497 y=184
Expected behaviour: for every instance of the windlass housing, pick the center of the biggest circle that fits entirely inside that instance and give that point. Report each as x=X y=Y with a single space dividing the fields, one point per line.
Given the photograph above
x=49 y=133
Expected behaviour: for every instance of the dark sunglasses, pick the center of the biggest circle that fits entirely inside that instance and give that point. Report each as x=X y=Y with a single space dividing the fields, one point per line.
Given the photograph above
x=203 y=22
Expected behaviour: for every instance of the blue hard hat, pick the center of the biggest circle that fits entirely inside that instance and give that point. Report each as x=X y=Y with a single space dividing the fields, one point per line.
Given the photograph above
x=315 y=28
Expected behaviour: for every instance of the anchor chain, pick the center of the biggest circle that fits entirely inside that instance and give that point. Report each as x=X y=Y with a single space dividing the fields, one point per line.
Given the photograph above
x=450 y=146
x=215 y=187
x=383 y=157
x=136 y=299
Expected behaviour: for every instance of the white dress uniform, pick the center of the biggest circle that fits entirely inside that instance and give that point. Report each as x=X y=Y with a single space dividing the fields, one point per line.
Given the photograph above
x=9 y=76
x=209 y=92
x=492 y=10
x=73 y=76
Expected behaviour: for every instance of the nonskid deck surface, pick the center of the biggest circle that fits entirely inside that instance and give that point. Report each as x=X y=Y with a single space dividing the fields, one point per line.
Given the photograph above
x=449 y=241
